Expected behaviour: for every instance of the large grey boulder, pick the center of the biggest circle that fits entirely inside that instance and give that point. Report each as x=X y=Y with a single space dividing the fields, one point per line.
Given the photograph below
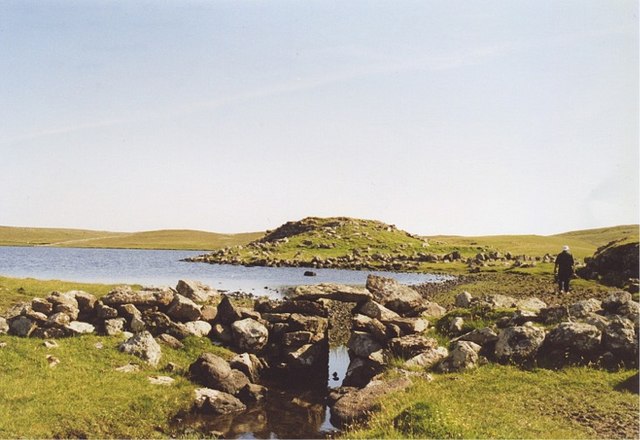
x=86 y=301
x=615 y=300
x=363 y=344
x=619 y=337
x=113 y=327
x=496 y=302
x=145 y=298
x=395 y=296
x=357 y=405
x=337 y=292
x=428 y=358
x=41 y=305
x=80 y=328
x=584 y=308
x=208 y=401
x=214 y=372
x=463 y=356
x=249 y=364
x=531 y=304
x=21 y=326
x=519 y=344
x=481 y=336
x=143 y=346
x=228 y=312
x=409 y=346
x=574 y=337
x=375 y=310
x=104 y=311
x=183 y=309
x=196 y=291
x=408 y=326
x=249 y=335
x=198 y=328
x=305 y=356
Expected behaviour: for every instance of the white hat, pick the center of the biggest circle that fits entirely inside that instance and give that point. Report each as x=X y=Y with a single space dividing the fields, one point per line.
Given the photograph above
x=565 y=248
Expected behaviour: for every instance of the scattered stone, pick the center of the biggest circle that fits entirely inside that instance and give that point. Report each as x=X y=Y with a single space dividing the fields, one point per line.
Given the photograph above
x=80 y=328
x=3 y=344
x=483 y=337
x=161 y=380
x=222 y=333
x=252 y=393
x=170 y=341
x=584 y=308
x=463 y=300
x=50 y=344
x=619 y=337
x=52 y=360
x=553 y=315
x=144 y=346
x=86 y=301
x=129 y=368
x=463 y=356
x=531 y=304
x=456 y=325
x=208 y=313
x=428 y=358
x=59 y=319
x=309 y=273
x=433 y=310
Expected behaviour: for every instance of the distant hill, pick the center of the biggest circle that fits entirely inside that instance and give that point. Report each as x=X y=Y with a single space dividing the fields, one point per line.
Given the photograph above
x=163 y=239
x=344 y=242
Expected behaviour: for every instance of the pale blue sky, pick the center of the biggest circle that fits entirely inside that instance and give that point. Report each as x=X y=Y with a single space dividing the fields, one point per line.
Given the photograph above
x=442 y=117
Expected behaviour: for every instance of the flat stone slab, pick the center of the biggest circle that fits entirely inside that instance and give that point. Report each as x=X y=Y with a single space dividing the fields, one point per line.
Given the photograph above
x=336 y=292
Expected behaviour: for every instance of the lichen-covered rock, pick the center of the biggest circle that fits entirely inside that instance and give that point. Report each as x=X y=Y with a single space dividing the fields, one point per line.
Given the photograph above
x=196 y=291
x=409 y=326
x=615 y=300
x=249 y=364
x=249 y=335
x=105 y=312
x=113 y=327
x=183 y=309
x=531 y=304
x=519 y=344
x=375 y=310
x=575 y=337
x=428 y=358
x=198 y=328
x=143 y=346
x=463 y=356
x=80 y=328
x=584 y=308
x=481 y=336
x=553 y=315
x=21 y=326
x=409 y=346
x=619 y=337
x=395 y=296
x=463 y=299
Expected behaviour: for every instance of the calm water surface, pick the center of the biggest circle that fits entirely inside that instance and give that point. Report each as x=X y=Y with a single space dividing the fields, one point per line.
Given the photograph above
x=150 y=267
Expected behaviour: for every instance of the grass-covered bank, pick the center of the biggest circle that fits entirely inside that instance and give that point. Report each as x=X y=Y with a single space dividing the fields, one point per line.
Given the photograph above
x=497 y=401
x=84 y=396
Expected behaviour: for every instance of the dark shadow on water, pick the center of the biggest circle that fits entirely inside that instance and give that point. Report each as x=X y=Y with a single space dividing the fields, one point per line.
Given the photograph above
x=285 y=413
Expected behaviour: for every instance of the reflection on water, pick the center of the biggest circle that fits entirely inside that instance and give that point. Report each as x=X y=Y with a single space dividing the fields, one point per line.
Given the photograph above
x=284 y=414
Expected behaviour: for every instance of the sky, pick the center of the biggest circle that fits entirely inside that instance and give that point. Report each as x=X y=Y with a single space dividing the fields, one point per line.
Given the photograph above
x=441 y=117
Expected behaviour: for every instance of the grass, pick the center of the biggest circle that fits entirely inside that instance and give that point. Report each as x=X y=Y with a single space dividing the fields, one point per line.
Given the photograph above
x=163 y=239
x=13 y=290
x=84 y=396
x=497 y=401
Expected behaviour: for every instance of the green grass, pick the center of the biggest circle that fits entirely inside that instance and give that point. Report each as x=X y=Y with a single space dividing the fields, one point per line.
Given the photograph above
x=83 y=396
x=496 y=401
x=13 y=290
x=163 y=239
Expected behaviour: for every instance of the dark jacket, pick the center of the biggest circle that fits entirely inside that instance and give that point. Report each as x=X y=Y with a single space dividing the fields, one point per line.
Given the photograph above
x=564 y=264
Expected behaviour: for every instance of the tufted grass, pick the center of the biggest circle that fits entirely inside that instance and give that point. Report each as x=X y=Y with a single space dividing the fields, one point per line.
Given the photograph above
x=83 y=396
x=497 y=401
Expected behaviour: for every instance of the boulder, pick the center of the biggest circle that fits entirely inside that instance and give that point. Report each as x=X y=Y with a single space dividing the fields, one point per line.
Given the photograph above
x=410 y=346
x=582 y=309
x=620 y=338
x=208 y=401
x=313 y=324
x=145 y=298
x=519 y=344
x=433 y=310
x=198 y=328
x=143 y=346
x=363 y=344
x=4 y=326
x=395 y=296
x=222 y=333
x=357 y=405
x=553 y=315
x=42 y=306
x=21 y=326
x=249 y=335
x=615 y=300
x=86 y=302
x=428 y=358
x=208 y=312
x=463 y=356
x=196 y=291
x=361 y=370
x=409 y=326
x=463 y=300
x=306 y=356
x=456 y=325
x=574 y=337
x=183 y=309
x=252 y=393
x=113 y=327
x=80 y=328
x=288 y=306
x=497 y=302
x=66 y=299
x=170 y=341
x=249 y=364
x=337 y=292
x=531 y=304
x=481 y=336
x=228 y=313
x=129 y=312
x=105 y=312
x=295 y=340
x=375 y=310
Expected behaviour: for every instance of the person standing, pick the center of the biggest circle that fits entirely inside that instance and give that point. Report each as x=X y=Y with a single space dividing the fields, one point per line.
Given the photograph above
x=563 y=269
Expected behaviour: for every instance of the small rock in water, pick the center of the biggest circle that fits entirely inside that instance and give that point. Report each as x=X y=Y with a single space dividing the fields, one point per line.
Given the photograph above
x=310 y=273
x=53 y=361
x=51 y=344
x=335 y=376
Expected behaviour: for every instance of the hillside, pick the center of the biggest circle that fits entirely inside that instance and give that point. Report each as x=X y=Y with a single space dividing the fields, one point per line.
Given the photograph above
x=343 y=242
x=163 y=239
